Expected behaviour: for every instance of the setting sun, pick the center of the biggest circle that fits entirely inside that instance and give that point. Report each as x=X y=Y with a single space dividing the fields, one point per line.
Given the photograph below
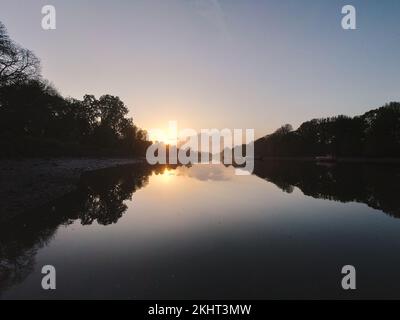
x=198 y=157
x=167 y=136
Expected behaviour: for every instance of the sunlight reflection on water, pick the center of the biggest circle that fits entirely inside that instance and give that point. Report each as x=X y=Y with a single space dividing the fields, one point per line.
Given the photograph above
x=204 y=232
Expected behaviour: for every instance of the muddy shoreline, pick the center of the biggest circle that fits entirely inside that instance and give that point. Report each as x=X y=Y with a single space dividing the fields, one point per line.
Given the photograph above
x=29 y=183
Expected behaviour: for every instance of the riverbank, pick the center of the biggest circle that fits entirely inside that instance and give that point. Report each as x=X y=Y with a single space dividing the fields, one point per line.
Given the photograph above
x=29 y=183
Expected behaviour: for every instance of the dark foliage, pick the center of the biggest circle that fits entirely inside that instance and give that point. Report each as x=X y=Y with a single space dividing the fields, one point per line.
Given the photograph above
x=35 y=120
x=374 y=134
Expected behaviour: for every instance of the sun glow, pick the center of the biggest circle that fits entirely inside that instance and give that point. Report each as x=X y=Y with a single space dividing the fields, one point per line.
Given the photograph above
x=168 y=137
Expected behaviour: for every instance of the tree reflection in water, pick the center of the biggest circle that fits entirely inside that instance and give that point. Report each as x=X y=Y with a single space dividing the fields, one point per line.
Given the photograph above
x=99 y=198
x=101 y=195
x=374 y=185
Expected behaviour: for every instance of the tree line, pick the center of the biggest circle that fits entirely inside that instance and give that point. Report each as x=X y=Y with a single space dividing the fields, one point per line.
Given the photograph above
x=36 y=120
x=373 y=134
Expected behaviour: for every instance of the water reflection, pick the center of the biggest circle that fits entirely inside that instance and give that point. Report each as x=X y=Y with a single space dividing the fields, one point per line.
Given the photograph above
x=99 y=199
x=211 y=172
x=102 y=194
x=374 y=185
x=103 y=198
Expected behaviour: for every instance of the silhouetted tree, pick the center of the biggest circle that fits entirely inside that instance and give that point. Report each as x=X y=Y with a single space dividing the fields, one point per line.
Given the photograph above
x=16 y=63
x=35 y=120
x=376 y=133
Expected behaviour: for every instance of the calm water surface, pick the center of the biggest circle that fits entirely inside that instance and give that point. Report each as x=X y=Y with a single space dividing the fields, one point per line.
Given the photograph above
x=137 y=232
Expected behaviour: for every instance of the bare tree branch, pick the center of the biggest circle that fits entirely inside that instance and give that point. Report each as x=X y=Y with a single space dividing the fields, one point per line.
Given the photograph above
x=16 y=63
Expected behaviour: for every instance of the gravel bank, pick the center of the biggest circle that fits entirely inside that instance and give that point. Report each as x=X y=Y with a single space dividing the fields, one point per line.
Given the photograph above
x=29 y=183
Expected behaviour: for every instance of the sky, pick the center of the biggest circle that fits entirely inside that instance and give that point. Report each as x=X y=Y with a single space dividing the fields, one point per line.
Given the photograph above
x=218 y=63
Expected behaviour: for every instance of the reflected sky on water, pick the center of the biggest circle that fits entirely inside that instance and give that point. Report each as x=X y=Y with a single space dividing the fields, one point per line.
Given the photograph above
x=140 y=232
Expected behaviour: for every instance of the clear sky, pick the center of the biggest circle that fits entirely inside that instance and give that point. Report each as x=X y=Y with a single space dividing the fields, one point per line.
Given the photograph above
x=218 y=63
